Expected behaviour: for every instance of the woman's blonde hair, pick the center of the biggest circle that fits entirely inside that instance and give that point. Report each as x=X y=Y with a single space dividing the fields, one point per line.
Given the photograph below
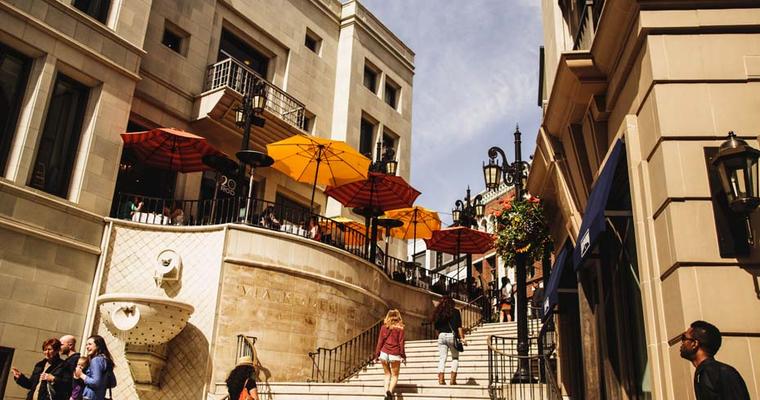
x=393 y=320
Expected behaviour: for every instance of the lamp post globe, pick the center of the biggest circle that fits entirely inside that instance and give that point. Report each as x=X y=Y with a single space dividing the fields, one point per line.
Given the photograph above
x=479 y=210
x=492 y=174
x=391 y=166
x=456 y=214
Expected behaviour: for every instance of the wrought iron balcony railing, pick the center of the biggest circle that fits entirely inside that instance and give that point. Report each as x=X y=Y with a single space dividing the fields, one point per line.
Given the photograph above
x=240 y=78
x=588 y=21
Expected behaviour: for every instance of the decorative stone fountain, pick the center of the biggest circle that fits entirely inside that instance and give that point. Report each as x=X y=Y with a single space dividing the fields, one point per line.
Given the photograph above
x=146 y=324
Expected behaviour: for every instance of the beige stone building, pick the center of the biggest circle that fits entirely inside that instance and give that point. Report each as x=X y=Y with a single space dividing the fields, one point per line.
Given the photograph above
x=75 y=74
x=637 y=97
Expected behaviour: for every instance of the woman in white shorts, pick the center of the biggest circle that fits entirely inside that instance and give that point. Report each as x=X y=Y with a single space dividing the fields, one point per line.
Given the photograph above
x=390 y=349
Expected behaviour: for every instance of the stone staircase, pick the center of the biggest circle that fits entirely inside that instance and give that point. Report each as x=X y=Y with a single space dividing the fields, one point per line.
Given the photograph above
x=417 y=380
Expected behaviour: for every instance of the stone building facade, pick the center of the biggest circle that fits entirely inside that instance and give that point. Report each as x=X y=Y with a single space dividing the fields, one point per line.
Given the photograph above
x=76 y=74
x=637 y=95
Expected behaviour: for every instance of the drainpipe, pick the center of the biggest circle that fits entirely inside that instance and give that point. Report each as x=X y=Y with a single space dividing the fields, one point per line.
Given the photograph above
x=97 y=282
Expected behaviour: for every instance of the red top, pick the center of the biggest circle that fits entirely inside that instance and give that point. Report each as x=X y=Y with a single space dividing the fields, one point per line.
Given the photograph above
x=390 y=341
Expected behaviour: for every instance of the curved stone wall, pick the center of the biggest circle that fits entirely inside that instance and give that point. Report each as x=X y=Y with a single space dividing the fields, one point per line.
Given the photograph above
x=293 y=294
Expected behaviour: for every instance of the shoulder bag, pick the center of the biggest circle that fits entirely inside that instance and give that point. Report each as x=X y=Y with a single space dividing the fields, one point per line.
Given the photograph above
x=457 y=342
x=244 y=395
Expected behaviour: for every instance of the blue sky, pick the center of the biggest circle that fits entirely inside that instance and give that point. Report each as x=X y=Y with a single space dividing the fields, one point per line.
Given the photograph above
x=476 y=76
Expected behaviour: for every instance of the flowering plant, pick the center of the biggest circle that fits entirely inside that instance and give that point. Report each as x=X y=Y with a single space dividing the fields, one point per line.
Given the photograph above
x=521 y=229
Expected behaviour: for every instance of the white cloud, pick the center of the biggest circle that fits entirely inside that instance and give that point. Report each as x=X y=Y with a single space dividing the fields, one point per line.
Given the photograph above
x=476 y=76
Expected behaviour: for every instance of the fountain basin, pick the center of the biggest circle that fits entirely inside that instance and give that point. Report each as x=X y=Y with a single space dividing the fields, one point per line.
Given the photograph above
x=140 y=319
x=146 y=324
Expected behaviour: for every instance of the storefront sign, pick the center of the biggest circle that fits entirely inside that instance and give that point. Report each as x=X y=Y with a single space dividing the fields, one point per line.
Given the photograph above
x=227 y=185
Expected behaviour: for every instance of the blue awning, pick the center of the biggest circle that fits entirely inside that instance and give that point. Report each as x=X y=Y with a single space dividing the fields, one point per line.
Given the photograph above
x=551 y=298
x=593 y=217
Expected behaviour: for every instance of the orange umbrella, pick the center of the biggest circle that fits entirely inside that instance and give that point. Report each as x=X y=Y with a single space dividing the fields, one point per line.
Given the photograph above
x=170 y=148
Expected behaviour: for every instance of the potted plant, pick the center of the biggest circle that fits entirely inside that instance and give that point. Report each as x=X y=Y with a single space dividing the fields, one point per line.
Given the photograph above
x=521 y=230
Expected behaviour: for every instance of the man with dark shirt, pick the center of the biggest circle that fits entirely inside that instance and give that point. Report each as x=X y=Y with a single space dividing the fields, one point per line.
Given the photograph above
x=713 y=379
x=69 y=352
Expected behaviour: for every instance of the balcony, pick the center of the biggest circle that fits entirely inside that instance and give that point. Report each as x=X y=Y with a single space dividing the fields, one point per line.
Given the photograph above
x=226 y=83
x=272 y=217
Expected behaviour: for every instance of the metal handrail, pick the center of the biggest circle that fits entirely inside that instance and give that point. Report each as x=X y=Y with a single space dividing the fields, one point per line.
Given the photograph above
x=242 y=79
x=503 y=362
x=340 y=362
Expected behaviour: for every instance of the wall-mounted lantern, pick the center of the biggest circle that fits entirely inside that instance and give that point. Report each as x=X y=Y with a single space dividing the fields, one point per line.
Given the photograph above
x=737 y=165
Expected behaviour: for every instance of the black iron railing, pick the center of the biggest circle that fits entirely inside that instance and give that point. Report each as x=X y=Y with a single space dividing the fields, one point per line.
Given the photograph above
x=588 y=21
x=340 y=362
x=277 y=217
x=503 y=361
x=240 y=78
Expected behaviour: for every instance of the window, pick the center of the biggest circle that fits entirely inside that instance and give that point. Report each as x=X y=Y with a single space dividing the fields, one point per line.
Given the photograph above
x=171 y=40
x=175 y=38
x=307 y=124
x=312 y=41
x=366 y=138
x=97 y=9
x=391 y=93
x=6 y=357
x=58 y=145
x=231 y=46
x=14 y=70
x=370 y=77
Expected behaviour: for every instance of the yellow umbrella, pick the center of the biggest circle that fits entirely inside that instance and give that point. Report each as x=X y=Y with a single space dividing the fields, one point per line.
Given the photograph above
x=419 y=223
x=315 y=160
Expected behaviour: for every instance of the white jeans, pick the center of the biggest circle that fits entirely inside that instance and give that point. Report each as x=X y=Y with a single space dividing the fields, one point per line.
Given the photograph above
x=446 y=343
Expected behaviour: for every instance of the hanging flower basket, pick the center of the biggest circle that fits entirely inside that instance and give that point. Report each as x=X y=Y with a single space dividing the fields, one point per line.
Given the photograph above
x=521 y=229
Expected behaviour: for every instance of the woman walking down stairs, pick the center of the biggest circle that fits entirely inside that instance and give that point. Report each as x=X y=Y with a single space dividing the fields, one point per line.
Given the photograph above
x=418 y=380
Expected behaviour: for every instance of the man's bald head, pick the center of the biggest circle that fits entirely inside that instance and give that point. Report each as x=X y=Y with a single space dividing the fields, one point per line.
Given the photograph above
x=68 y=344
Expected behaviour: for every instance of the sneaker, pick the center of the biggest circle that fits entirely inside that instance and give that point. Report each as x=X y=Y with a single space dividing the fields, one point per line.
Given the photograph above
x=388 y=395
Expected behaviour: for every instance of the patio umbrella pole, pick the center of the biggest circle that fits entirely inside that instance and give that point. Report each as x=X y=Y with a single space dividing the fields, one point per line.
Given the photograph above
x=414 y=240
x=459 y=239
x=216 y=193
x=316 y=174
x=250 y=194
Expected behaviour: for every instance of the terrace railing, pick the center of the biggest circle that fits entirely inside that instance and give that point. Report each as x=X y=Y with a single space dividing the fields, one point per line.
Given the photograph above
x=276 y=217
x=242 y=79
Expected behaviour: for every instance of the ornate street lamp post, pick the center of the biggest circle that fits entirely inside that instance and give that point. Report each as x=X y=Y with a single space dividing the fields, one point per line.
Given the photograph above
x=514 y=174
x=385 y=162
x=247 y=115
x=466 y=213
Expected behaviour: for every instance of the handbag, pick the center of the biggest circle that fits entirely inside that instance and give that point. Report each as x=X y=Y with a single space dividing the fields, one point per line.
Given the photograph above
x=244 y=395
x=457 y=342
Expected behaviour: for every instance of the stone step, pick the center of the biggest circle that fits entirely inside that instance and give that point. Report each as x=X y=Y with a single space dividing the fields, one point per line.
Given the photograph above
x=290 y=391
x=377 y=388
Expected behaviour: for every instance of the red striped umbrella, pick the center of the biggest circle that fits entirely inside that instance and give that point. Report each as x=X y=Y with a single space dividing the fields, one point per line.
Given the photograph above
x=170 y=148
x=459 y=239
x=379 y=191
